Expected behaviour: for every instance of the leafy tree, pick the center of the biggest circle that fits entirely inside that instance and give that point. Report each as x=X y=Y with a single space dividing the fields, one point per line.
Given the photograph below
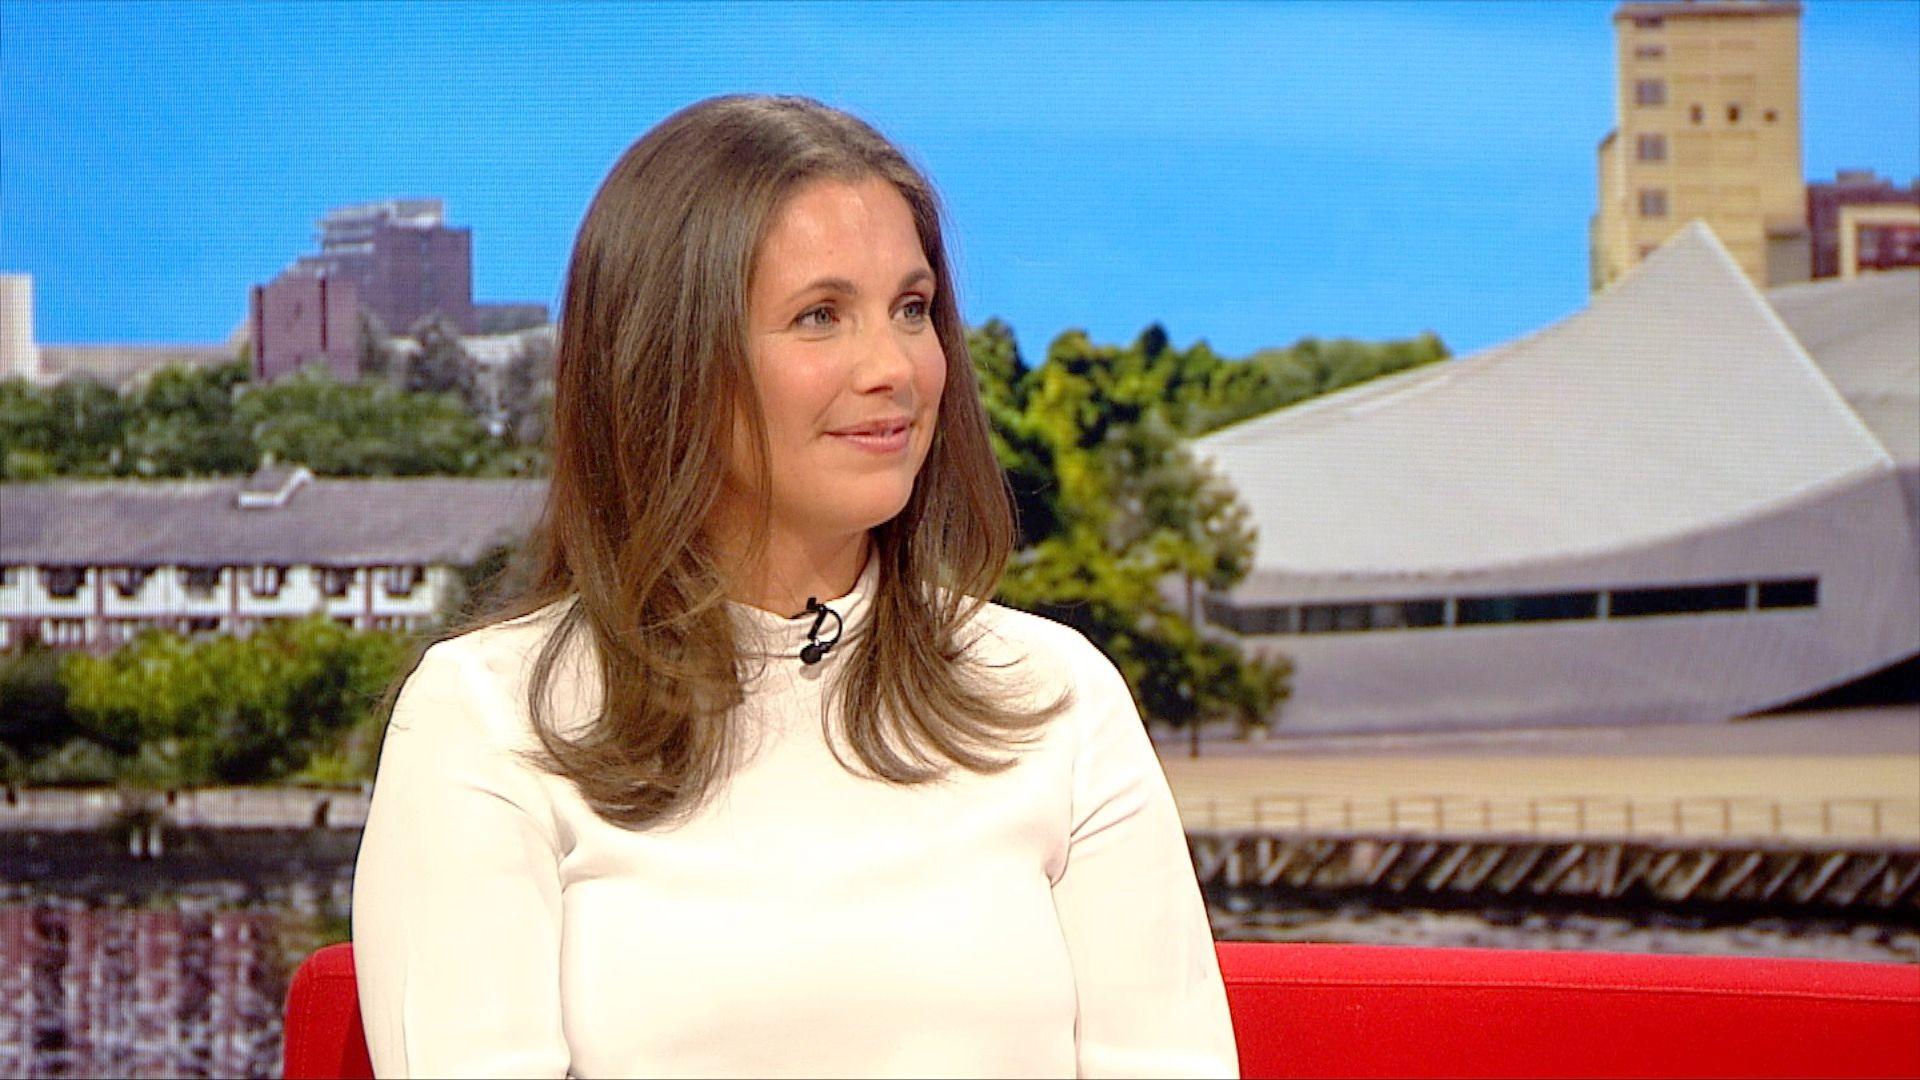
x=441 y=365
x=368 y=429
x=527 y=396
x=33 y=702
x=1122 y=509
x=26 y=432
x=374 y=348
x=181 y=423
x=230 y=710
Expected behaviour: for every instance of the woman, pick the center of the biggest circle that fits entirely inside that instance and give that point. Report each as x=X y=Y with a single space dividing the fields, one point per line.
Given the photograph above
x=751 y=781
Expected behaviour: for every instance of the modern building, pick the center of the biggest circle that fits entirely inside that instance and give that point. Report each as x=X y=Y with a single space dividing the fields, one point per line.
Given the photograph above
x=1862 y=222
x=91 y=563
x=396 y=261
x=19 y=352
x=1685 y=502
x=300 y=319
x=1708 y=96
x=403 y=259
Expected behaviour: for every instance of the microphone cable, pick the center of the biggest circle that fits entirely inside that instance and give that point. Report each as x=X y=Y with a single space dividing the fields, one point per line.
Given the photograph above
x=816 y=649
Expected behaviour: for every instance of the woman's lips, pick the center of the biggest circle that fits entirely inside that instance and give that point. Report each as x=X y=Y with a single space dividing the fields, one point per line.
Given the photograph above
x=889 y=437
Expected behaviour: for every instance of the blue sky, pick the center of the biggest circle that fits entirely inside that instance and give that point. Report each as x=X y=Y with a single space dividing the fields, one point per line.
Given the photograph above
x=1245 y=173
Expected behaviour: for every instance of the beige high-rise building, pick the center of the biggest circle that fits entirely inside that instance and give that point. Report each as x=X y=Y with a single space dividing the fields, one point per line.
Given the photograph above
x=1709 y=128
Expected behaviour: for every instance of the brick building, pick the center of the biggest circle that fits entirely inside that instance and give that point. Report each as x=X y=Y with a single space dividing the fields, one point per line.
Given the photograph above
x=1884 y=223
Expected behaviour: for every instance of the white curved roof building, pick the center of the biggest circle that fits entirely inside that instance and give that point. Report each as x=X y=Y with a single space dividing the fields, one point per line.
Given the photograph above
x=1658 y=509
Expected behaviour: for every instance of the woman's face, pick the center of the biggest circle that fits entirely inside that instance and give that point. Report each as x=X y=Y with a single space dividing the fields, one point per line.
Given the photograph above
x=845 y=360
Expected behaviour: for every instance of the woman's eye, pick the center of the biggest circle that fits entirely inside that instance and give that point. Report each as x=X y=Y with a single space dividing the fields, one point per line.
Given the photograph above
x=808 y=318
x=916 y=309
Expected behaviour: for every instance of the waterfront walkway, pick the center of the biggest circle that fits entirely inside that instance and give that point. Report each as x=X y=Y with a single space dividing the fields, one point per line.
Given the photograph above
x=1845 y=773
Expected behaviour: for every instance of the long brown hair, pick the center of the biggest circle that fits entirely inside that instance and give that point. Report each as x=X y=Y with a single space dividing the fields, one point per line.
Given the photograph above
x=650 y=372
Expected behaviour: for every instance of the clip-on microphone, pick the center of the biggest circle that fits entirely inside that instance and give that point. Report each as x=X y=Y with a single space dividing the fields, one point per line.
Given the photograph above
x=815 y=649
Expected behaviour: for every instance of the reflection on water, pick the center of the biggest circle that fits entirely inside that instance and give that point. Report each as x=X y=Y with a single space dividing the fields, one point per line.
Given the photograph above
x=192 y=988
x=181 y=990
x=1645 y=932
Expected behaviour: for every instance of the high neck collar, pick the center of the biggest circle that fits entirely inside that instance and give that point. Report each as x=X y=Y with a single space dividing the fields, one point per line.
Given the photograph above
x=771 y=634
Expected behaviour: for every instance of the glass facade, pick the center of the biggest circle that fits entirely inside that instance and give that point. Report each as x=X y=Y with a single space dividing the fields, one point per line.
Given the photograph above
x=1466 y=611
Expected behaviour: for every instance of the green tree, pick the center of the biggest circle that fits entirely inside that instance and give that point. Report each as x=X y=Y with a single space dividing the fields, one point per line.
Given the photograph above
x=33 y=703
x=527 y=394
x=1129 y=509
x=374 y=349
x=368 y=429
x=230 y=710
x=181 y=422
x=441 y=364
x=26 y=432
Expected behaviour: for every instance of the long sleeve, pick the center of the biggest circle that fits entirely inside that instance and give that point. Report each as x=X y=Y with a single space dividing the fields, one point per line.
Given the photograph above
x=456 y=896
x=1151 y=1000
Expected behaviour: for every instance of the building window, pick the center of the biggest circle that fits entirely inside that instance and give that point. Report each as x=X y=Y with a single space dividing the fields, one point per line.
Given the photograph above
x=6 y=577
x=1650 y=92
x=400 y=581
x=1771 y=115
x=1532 y=607
x=1649 y=52
x=336 y=580
x=1648 y=22
x=200 y=581
x=203 y=624
x=1680 y=600
x=129 y=580
x=1696 y=114
x=1653 y=202
x=1803 y=593
x=62 y=582
x=66 y=632
x=266 y=581
x=1733 y=114
x=1651 y=148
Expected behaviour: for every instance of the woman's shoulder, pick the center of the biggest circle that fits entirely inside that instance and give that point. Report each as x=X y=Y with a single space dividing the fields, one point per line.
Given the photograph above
x=504 y=646
x=1054 y=647
x=489 y=668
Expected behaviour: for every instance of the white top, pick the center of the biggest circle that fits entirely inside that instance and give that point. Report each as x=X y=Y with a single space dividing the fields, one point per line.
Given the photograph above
x=1042 y=922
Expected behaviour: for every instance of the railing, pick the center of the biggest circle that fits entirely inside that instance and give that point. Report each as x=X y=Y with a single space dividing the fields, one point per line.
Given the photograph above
x=66 y=808
x=1570 y=815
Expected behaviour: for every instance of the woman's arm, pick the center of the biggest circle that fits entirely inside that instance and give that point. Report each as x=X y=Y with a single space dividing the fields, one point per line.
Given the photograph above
x=1151 y=999
x=456 y=893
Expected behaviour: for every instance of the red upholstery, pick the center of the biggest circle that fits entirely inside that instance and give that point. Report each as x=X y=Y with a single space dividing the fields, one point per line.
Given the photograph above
x=1368 y=1010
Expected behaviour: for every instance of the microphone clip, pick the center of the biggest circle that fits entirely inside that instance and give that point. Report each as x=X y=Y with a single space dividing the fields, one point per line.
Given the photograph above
x=816 y=649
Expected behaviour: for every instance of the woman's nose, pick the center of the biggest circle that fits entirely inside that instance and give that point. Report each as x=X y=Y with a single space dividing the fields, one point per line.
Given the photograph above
x=885 y=363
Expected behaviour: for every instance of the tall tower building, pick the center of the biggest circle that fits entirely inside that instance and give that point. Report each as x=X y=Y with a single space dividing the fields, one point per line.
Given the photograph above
x=19 y=353
x=1708 y=96
x=396 y=260
x=403 y=259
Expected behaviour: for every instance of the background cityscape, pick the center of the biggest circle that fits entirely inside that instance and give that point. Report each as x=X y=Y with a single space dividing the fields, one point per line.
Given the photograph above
x=1486 y=436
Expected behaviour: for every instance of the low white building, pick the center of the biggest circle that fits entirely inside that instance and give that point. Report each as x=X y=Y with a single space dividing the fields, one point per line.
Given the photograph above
x=91 y=563
x=1659 y=509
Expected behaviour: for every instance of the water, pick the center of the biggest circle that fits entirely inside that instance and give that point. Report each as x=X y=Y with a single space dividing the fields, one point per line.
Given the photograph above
x=1651 y=932
x=177 y=989
x=194 y=987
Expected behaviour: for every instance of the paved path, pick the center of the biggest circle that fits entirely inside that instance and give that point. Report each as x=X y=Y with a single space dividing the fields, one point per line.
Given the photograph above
x=1824 y=771
x=1848 y=772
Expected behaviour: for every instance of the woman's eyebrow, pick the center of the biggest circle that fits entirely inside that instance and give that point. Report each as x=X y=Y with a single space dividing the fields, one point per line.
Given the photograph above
x=847 y=288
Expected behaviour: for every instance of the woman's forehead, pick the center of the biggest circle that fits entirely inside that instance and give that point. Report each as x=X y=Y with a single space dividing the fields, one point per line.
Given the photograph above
x=839 y=229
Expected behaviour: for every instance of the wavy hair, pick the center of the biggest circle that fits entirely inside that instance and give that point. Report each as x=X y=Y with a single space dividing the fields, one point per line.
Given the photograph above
x=651 y=372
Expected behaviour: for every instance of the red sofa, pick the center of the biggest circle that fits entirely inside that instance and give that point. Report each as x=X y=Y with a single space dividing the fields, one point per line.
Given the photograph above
x=1368 y=1010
